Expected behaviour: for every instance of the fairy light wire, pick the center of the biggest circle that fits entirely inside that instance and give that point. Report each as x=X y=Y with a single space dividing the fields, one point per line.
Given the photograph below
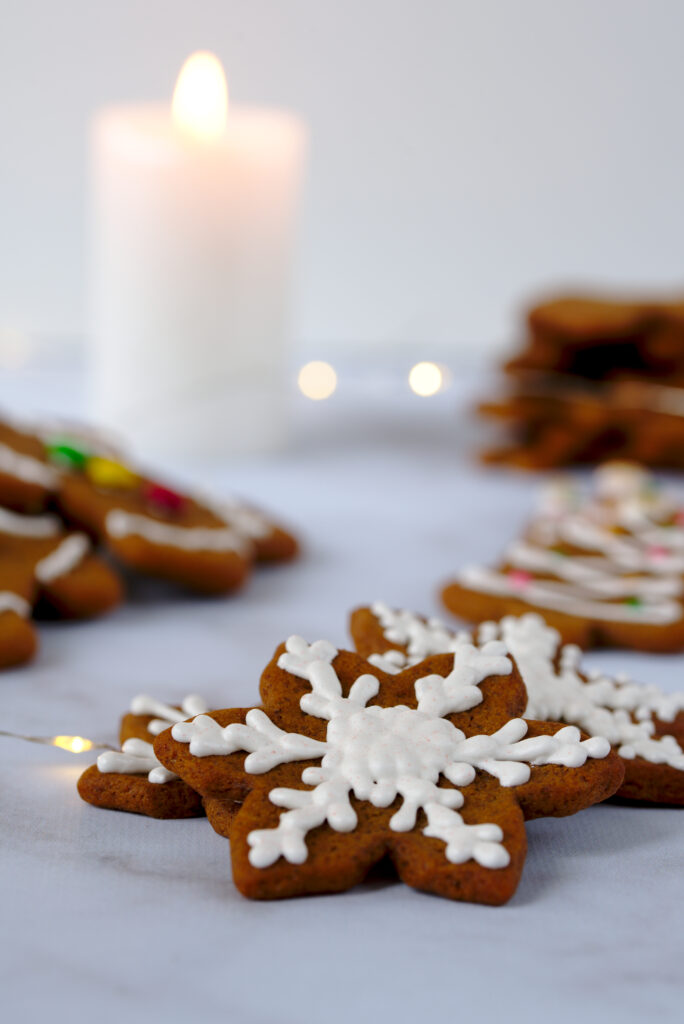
x=74 y=744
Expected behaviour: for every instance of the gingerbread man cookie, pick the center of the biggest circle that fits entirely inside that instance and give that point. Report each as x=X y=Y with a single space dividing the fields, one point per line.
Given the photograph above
x=203 y=544
x=644 y=725
x=602 y=570
x=41 y=565
x=27 y=479
x=345 y=765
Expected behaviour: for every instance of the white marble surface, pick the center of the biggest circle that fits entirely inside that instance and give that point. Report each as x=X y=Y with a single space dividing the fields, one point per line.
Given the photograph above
x=110 y=916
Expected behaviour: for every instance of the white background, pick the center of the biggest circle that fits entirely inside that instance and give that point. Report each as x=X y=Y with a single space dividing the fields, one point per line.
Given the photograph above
x=464 y=154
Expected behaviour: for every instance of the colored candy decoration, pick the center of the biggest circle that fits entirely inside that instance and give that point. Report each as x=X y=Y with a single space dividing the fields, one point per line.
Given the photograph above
x=107 y=473
x=163 y=498
x=634 y=602
x=519 y=578
x=67 y=454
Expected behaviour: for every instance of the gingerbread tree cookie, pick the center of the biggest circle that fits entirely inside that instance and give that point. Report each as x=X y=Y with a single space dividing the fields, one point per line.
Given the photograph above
x=644 y=725
x=604 y=568
x=41 y=565
x=345 y=765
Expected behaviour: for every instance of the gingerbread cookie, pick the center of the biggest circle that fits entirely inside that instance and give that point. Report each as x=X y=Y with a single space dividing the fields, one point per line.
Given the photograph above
x=431 y=768
x=27 y=479
x=44 y=567
x=133 y=780
x=203 y=544
x=147 y=716
x=595 y=379
x=644 y=725
x=151 y=528
x=603 y=570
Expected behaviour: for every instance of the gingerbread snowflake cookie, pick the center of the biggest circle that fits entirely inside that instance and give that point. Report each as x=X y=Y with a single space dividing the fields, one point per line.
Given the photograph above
x=44 y=568
x=603 y=569
x=345 y=765
x=132 y=779
x=644 y=725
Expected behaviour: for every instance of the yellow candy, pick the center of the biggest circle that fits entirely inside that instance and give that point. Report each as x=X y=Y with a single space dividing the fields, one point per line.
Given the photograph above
x=107 y=473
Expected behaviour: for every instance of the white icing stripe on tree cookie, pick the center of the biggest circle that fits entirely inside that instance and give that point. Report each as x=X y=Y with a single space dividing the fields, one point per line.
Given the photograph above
x=120 y=524
x=28 y=526
x=602 y=705
x=11 y=602
x=379 y=753
x=568 y=598
x=136 y=757
x=27 y=469
x=165 y=715
x=595 y=574
x=626 y=553
x=64 y=559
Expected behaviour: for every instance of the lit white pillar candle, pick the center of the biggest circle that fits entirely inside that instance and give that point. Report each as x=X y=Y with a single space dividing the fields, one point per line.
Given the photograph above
x=193 y=213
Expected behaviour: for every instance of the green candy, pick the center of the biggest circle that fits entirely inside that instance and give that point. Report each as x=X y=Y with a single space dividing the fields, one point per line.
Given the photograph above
x=633 y=602
x=65 y=453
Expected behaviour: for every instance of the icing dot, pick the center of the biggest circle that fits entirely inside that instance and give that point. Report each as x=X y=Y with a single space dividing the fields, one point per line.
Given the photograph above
x=107 y=473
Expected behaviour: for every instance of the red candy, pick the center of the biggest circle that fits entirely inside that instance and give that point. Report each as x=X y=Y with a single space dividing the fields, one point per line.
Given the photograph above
x=163 y=498
x=519 y=578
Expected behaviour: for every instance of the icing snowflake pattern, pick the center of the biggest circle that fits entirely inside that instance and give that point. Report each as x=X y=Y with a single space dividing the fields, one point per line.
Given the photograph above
x=617 y=708
x=379 y=753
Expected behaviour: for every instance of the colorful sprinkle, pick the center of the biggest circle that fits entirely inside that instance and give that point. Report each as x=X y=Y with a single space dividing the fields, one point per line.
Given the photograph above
x=163 y=498
x=107 y=473
x=657 y=552
x=634 y=602
x=67 y=454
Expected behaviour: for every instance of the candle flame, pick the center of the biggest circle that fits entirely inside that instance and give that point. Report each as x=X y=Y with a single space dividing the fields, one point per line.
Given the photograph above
x=74 y=744
x=200 y=99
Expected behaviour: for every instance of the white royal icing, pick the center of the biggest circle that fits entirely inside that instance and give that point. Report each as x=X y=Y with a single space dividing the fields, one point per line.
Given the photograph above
x=26 y=468
x=617 y=708
x=18 y=525
x=68 y=554
x=570 y=599
x=631 y=558
x=379 y=753
x=120 y=523
x=11 y=602
x=165 y=715
x=247 y=520
x=136 y=757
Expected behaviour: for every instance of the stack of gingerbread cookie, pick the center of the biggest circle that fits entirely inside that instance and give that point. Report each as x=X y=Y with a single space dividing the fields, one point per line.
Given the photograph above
x=65 y=493
x=595 y=379
x=421 y=752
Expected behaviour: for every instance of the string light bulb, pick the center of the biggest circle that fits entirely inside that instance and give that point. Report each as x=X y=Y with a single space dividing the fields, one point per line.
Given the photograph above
x=317 y=380
x=426 y=379
x=73 y=744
